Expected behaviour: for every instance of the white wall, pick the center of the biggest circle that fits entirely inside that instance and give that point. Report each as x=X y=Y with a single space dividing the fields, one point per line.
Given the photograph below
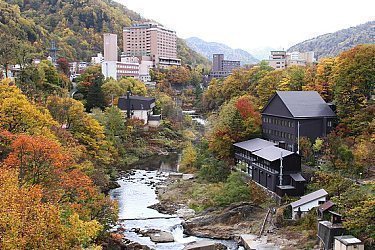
x=109 y=69
x=141 y=114
x=308 y=206
x=144 y=69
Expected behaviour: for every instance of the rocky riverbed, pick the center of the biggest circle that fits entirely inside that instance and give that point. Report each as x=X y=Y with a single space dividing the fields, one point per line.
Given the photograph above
x=145 y=225
x=216 y=222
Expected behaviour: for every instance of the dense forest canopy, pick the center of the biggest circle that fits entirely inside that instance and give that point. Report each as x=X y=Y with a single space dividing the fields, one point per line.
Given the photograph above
x=76 y=26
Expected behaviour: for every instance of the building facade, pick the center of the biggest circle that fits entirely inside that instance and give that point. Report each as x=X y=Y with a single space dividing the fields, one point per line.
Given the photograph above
x=116 y=70
x=290 y=115
x=308 y=202
x=277 y=59
x=111 y=67
x=153 y=40
x=274 y=168
x=110 y=47
x=222 y=68
x=139 y=107
x=280 y=59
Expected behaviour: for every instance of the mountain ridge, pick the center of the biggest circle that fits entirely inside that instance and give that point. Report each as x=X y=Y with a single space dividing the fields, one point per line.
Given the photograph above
x=331 y=44
x=208 y=48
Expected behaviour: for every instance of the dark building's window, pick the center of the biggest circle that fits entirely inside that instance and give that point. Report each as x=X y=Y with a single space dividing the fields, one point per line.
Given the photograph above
x=329 y=123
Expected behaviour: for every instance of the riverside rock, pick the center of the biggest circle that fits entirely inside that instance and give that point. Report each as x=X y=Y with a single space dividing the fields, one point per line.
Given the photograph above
x=205 y=245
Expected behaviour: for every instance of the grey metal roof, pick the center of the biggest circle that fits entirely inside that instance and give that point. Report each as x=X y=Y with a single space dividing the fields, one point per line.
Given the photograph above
x=297 y=177
x=254 y=144
x=309 y=197
x=305 y=104
x=136 y=103
x=272 y=153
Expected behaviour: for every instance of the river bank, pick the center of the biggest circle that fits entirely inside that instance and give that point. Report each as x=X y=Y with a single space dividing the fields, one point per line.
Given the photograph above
x=214 y=222
x=228 y=222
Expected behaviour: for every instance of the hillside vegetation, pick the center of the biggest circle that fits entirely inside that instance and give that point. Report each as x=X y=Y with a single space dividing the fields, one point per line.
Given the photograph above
x=76 y=25
x=332 y=44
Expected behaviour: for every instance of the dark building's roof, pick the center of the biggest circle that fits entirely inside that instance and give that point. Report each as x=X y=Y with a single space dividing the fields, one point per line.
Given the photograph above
x=325 y=206
x=254 y=144
x=309 y=197
x=302 y=104
x=136 y=103
x=272 y=153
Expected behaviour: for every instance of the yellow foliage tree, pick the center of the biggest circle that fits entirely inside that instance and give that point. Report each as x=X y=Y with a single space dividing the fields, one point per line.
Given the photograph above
x=18 y=115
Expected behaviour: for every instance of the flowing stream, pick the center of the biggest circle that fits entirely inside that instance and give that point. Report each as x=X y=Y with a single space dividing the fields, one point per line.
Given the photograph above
x=137 y=192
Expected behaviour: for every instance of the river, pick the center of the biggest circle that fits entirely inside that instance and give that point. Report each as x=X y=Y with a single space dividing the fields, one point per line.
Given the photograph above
x=137 y=192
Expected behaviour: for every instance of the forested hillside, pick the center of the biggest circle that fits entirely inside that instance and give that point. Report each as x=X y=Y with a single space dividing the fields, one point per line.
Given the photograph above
x=332 y=44
x=76 y=26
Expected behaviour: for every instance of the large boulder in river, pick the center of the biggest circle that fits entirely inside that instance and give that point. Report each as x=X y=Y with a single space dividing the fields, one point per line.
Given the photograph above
x=205 y=245
x=160 y=236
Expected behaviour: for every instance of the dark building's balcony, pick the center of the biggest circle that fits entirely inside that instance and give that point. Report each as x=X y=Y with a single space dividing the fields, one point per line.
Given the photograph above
x=266 y=168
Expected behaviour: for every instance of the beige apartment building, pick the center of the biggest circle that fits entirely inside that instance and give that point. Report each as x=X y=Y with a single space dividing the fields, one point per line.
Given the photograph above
x=151 y=40
x=110 y=47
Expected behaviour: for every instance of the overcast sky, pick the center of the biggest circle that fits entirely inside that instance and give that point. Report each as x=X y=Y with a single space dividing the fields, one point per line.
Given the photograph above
x=250 y=24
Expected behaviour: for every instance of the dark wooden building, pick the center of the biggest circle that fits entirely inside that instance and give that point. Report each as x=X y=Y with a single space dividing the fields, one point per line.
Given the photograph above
x=290 y=114
x=274 y=168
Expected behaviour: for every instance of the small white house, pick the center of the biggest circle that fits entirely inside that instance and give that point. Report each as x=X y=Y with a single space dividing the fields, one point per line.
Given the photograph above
x=348 y=242
x=307 y=202
x=139 y=107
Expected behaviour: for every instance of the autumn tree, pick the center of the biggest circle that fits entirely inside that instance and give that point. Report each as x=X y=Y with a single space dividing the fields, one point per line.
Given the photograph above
x=293 y=79
x=27 y=222
x=268 y=85
x=37 y=159
x=63 y=65
x=90 y=86
x=354 y=77
x=189 y=156
x=18 y=115
x=322 y=82
x=237 y=120
x=360 y=221
x=178 y=75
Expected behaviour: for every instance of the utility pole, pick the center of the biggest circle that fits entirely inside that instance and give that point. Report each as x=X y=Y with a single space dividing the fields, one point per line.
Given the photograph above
x=281 y=170
x=298 y=136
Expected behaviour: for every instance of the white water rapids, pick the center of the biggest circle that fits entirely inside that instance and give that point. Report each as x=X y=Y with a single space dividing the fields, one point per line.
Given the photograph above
x=135 y=194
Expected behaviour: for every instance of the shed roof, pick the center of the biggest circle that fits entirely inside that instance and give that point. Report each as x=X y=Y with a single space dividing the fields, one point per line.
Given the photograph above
x=254 y=144
x=325 y=206
x=297 y=177
x=302 y=104
x=136 y=102
x=309 y=197
x=272 y=153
